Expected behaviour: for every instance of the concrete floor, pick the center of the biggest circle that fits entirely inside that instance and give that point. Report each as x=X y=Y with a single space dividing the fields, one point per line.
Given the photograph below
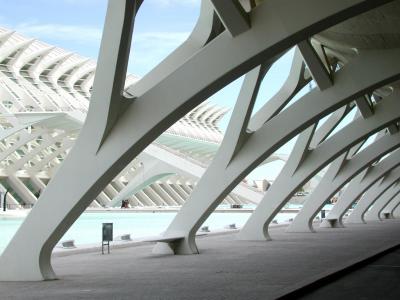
x=378 y=280
x=225 y=269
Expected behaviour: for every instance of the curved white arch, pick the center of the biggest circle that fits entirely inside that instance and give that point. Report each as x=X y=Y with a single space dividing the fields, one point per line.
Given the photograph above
x=111 y=116
x=339 y=173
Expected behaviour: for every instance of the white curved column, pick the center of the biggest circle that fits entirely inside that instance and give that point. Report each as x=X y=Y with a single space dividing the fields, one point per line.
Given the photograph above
x=21 y=189
x=304 y=163
x=27 y=196
x=24 y=138
x=220 y=179
x=358 y=186
x=296 y=80
x=66 y=143
x=388 y=210
x=153 y=171
x=307 y=141
x=315 y=64
x=107 y=141
x=340 y=172
x=110 y=191
x=173 y=194
x=49 y=140
x=371 y=196
x=9 y=200
x=38 y=184
x=38 y=266
x=103 y=199
x=375 y=213
x=396 y=212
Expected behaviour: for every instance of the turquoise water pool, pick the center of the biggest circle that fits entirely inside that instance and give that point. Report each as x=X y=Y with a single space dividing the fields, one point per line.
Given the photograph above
x=87 y=229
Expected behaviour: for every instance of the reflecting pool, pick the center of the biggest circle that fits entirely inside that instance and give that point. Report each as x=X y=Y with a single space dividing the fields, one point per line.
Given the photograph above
x=87 y=229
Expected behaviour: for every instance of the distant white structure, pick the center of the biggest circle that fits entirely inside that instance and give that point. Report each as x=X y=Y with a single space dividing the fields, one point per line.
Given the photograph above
x=45 y=94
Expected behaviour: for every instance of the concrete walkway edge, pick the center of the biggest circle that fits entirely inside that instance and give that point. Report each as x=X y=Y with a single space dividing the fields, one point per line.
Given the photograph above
x=319 y=280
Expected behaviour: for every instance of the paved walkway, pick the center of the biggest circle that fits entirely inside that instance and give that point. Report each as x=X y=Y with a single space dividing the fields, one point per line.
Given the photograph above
x=377 y=280
x=225 y=269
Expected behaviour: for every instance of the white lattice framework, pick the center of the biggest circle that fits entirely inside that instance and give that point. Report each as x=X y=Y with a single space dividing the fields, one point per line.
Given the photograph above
x=334 y=48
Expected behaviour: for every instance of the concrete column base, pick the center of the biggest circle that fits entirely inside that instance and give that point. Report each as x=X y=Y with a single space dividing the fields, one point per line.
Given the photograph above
x=331 y=223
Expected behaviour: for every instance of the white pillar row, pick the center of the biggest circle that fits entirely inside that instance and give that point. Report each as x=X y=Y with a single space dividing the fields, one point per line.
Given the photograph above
x=221 y=177
x=371 y=195
x=160 y=191
x=20 y=188
x=389 y=209
x=16 y=183
x=110 y=191
x=48 y=141
x=300 y=152
x=66 y=143
x=339 y=173
x=10 y=198
x=39 y=185
x=304 y=163
x=117 y=129
x=167 y=187
x=396 y=212
x=134 y=201
x=152 y=171
x=375 y=213
x=24 y=138
x=358 y=185
x=40 y=164
x=103 y=199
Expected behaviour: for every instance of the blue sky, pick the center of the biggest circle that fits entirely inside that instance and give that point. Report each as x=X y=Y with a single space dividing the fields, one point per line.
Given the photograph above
x=77 y=25
x=161 y=25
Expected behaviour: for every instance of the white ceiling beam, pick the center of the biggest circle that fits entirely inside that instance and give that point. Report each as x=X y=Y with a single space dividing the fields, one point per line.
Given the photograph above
x=232 y=15
x=315 y=65
x=364 y=106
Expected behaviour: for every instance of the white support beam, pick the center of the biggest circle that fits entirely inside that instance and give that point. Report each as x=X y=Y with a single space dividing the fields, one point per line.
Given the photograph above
x=303 y=164
x=364 y=105
x=232 y=15
x=370 y=197
x=340 y=172
x=123 y=132
x=316 y=66
x=360 y=184
x=383 y=199
x=387 y=212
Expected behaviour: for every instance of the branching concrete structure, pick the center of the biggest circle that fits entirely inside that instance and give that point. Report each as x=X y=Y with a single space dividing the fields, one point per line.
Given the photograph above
x=36 y=80
x=388 y=210
x=377 y=191
x=374 y=213
x=229 y=41
x=340 y=172
x=358 y=186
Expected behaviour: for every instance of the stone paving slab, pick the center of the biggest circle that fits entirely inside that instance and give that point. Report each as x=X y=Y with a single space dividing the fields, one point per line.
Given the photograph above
x=225 y=268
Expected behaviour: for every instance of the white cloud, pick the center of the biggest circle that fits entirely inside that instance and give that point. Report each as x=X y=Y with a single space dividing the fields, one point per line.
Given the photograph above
x=82 y=34
x=175 y=2
x=165 y=39
x=149 y=48
x=92 y=34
